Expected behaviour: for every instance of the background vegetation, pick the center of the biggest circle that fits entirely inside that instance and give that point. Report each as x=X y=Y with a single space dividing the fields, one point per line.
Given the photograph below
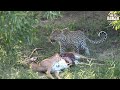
x=22 y=31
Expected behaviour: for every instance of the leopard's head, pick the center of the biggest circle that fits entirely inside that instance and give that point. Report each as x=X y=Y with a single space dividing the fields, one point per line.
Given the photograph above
x=56 y=35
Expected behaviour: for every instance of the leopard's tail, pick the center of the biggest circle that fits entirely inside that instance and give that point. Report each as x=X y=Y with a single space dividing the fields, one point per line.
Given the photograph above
x=101 y=40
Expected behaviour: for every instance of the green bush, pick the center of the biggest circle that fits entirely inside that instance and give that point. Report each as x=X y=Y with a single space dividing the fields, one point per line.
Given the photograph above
x=16 y=29
x=116 y=23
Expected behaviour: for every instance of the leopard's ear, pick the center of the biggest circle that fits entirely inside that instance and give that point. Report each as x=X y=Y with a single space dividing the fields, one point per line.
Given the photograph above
x=56 y=31
x=62 y=31
x=65 y=30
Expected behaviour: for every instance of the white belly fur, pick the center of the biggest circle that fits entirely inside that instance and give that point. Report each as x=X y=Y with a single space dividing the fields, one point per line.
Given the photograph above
x=58 y=66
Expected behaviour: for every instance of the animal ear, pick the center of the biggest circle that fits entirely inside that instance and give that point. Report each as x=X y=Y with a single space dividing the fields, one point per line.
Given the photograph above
x=62 y=31
x=56 y=54
x=65 y=30
x=56 y=31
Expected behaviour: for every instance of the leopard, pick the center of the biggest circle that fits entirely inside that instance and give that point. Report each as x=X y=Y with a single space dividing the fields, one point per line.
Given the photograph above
x=76 y=39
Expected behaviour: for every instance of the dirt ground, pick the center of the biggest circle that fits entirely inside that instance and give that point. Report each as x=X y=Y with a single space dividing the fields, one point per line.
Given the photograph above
x=76 y=16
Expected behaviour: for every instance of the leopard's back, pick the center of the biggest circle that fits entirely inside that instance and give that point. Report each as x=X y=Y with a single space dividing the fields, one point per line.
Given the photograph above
x=74 y=37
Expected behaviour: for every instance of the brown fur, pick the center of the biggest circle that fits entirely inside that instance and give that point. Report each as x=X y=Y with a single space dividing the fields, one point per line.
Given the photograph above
x=46 y=65
x=69 y=55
